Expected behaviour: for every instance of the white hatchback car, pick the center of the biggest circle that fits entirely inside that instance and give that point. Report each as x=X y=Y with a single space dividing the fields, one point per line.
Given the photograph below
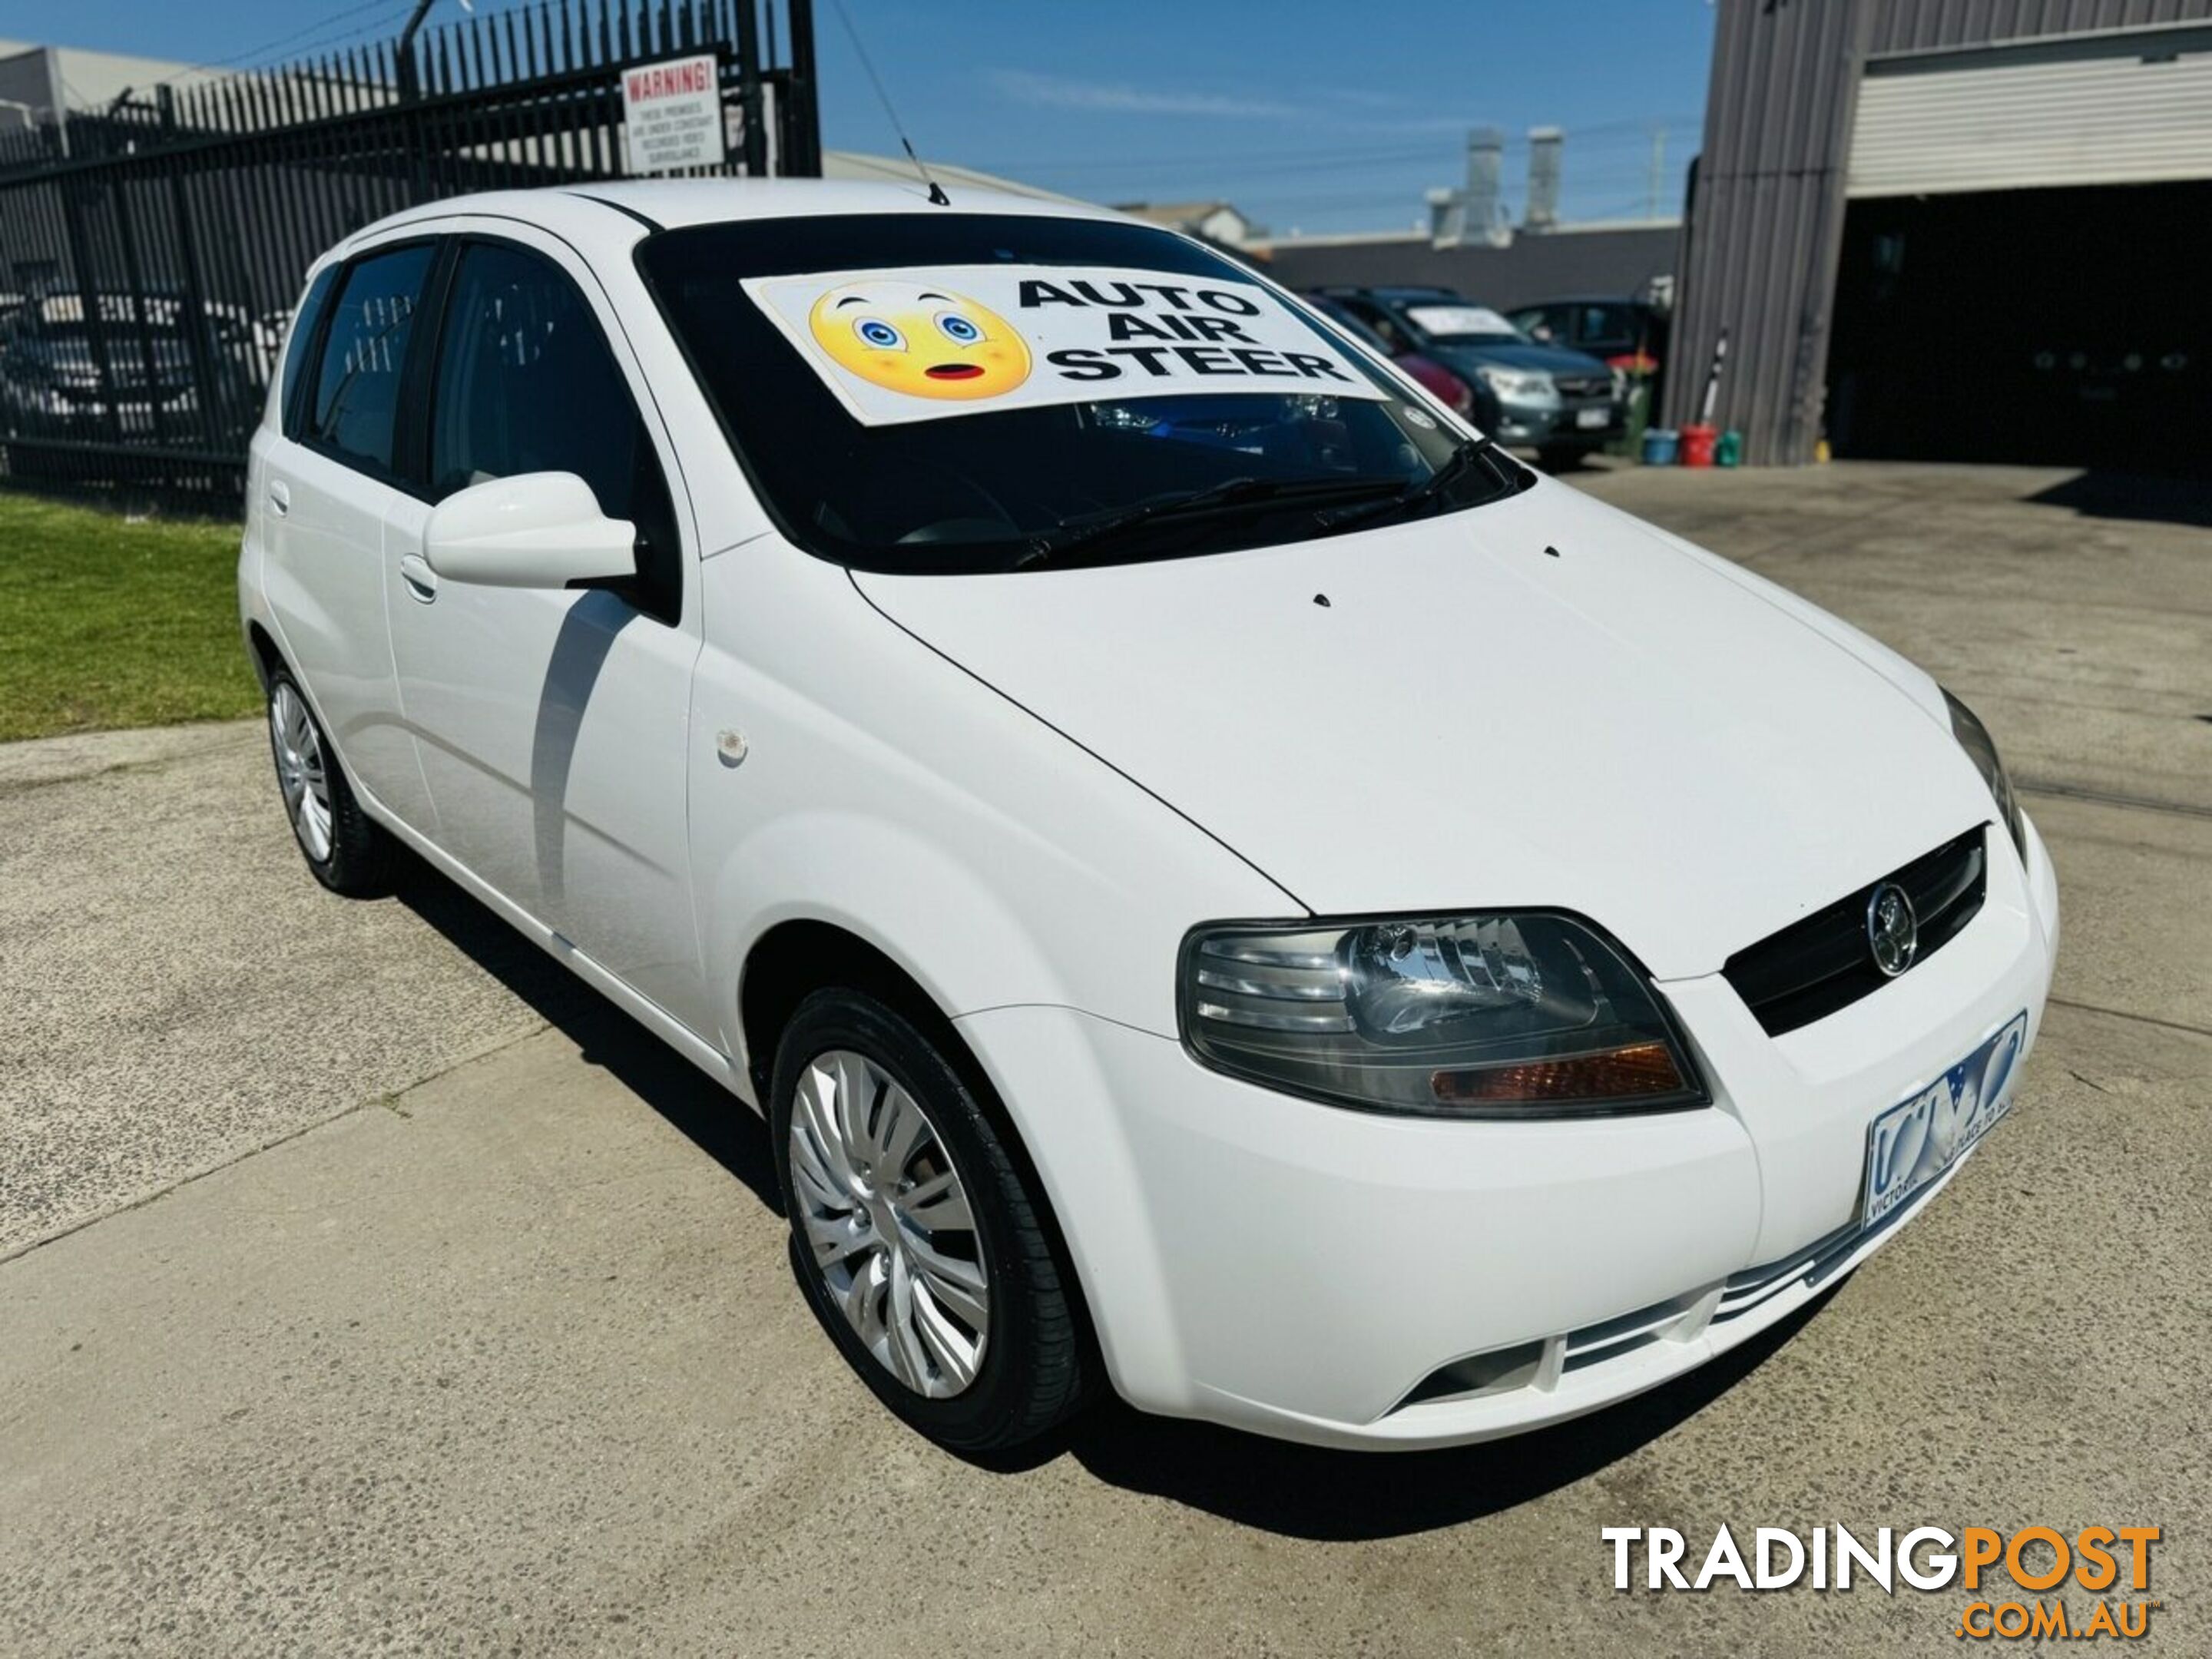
x=1221 y=882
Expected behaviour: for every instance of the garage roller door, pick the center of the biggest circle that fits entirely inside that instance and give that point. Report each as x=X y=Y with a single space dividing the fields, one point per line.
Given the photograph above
x=2109 y=110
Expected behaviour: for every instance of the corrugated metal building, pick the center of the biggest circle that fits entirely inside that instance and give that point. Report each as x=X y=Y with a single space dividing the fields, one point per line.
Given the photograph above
x=1954 y=228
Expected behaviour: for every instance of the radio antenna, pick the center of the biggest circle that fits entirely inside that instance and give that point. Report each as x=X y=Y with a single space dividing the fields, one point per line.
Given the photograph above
x=936 y=191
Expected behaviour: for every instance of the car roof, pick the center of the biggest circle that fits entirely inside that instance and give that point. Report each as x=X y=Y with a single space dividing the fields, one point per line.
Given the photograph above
x=620 y=212
x=1388 y=291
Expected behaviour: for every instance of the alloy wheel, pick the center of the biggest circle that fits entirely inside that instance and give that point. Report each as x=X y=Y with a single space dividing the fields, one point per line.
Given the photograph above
x=886 y=1222
x=300 y=769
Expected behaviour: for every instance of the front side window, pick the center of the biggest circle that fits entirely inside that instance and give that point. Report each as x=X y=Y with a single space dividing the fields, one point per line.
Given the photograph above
x=1538 y=323
x=526 y=383
x=979 y=393
x=1379 y=323
x=356 y=400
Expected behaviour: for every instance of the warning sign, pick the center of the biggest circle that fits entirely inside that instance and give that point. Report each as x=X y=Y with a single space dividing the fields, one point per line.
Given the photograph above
x=672 y=116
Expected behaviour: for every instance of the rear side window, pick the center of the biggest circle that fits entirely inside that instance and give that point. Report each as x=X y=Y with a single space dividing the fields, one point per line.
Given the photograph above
x=356 y=397
x=298 y=342
x=526 y=383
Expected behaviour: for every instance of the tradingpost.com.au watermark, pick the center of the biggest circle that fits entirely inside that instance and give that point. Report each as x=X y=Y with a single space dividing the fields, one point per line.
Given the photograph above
x=2110 y=1565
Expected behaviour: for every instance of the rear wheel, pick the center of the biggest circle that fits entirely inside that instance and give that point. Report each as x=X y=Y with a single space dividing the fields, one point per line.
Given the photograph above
x=919 y=1247
x=344 y=848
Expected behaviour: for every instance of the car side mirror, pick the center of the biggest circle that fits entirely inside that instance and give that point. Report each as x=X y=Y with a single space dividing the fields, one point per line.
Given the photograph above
x=534 y=529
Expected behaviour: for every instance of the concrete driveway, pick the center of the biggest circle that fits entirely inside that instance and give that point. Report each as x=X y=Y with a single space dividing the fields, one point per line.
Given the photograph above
x=366 y=1286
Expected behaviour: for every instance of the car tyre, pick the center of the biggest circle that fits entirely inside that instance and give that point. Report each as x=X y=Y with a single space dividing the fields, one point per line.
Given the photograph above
x=915 y=1235
x=1561 y=457
x=344 y=847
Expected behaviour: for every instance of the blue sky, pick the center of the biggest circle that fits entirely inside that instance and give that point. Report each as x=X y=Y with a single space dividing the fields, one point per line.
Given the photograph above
x=1321 y=116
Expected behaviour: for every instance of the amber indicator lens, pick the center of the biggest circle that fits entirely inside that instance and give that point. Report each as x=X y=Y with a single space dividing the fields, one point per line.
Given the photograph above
x=1625 y=1073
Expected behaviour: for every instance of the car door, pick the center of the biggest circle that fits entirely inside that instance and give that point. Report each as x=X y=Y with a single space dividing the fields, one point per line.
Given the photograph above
x=551 y=724
x=326 y=486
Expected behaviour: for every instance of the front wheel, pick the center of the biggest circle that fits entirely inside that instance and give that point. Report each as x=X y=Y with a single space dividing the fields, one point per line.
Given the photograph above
x=343 y=847
x=1561 y=457
x=919 y=1247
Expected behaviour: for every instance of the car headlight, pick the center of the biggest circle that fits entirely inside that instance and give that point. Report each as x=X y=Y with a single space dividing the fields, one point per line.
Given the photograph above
x=1523 y=1013
x=1974 y=738
x=1518 y=383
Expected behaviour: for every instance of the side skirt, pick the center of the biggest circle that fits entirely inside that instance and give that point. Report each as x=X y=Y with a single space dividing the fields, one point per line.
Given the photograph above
x=676 y=1034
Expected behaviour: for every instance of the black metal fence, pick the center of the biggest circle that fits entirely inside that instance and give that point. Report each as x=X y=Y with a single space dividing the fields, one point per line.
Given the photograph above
x=151 y=254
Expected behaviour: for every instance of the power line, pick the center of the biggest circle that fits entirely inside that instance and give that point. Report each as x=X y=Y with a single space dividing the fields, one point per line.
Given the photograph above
x=376 y=25
x=268 y=47
x=244 y=58
x=1631 y=132
x=1097 y=164
x=1263 y=170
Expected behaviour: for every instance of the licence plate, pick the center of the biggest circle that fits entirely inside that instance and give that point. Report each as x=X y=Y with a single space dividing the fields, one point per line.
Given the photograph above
x=1593 y=416
x=1916 y=1139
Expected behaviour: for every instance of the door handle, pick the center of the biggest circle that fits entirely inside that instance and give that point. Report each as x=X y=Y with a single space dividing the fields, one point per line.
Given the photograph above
x=280 y=498
x=422 y=580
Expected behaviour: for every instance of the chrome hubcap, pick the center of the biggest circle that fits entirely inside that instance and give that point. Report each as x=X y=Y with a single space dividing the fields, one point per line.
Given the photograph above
x=886 y=1220
x=299 y=771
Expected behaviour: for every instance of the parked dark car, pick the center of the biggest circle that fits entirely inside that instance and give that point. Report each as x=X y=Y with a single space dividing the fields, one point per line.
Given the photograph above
x=1629 y=335
x=50 y=378
x=1561 y=404
x=1454 y=393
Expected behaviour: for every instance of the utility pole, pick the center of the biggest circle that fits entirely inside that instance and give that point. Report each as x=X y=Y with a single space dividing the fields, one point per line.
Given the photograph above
x=805 y=129
x=1658 y=169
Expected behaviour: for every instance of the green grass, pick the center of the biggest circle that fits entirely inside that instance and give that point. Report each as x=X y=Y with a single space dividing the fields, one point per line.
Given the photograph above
x=108 y=622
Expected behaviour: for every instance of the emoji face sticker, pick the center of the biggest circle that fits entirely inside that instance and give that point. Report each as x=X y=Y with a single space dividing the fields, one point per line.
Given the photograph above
x=925 y=342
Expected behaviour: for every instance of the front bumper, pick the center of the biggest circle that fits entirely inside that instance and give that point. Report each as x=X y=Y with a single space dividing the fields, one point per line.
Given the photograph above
x=1299 y=1269
x=1529 y=425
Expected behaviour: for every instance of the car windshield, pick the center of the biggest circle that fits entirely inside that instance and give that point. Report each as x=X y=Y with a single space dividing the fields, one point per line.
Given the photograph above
x=1460 y=322
x=892 y=416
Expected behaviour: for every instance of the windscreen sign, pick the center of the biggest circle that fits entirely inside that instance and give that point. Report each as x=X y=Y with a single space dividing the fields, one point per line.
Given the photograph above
x=920 y=343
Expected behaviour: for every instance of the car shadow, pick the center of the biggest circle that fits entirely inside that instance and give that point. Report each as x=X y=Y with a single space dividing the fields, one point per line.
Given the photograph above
x=1270 y=1485
x=698 y=1107
x=2135 y=497
x=1328 y=1496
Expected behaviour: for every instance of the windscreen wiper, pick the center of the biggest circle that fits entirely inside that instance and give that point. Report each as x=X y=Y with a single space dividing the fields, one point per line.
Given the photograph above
x=1230 y=495
x=1454 y=467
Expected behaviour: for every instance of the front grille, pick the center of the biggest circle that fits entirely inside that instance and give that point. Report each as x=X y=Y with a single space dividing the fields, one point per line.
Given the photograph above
x=1585 y=387
x=1814 y=967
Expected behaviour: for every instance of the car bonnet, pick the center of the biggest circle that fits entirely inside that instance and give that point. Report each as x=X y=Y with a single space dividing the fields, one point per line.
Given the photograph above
x=1534 y=703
